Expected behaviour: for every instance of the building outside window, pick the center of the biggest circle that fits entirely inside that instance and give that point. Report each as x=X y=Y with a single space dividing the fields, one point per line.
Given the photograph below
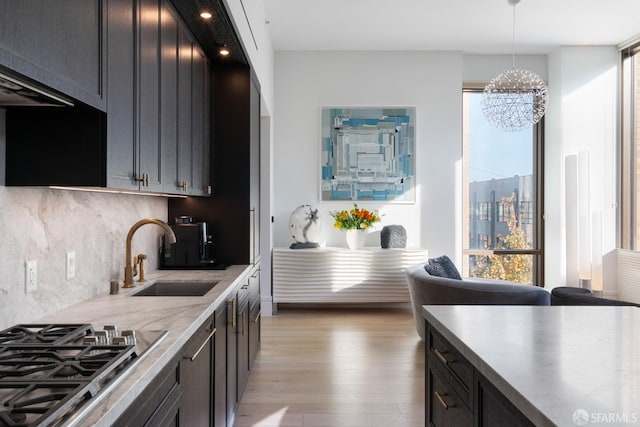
x=502 y=178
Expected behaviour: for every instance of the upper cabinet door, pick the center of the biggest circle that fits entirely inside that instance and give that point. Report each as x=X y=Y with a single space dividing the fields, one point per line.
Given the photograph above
x=150 y=151
x=57 y=43
x=185 y=132
x=121 y=94
x=170 y=27
x=200 y=124
x=254 y=172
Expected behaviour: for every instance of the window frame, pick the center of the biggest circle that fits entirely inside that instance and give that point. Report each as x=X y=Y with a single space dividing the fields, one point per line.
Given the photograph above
x=538 y=277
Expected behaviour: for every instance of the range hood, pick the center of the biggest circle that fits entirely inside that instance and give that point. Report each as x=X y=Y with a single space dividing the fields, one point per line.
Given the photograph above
x=17 y=92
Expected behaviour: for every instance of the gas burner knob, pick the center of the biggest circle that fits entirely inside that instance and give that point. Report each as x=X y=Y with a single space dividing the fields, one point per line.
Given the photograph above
x=130 y=336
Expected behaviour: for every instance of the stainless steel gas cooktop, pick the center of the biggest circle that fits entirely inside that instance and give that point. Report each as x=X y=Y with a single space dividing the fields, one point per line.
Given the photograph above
x=49 y=373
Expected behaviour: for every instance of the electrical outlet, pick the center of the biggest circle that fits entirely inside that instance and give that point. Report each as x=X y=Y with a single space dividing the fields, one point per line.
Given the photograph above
x=71 y=265
x=30 y=276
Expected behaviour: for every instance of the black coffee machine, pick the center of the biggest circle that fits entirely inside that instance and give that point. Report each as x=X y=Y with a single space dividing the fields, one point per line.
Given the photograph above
x=193 y=248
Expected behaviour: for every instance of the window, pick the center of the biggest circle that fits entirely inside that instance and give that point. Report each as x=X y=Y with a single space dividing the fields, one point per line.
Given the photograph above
x=630 y=183
x=526 y=213
x=502 y=186
x=505 y=209
x=484 y=211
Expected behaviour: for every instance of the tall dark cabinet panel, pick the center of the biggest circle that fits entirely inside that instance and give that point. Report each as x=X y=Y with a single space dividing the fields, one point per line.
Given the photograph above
x=169 y=47
x=121 y=104
x=196 y=377
x=232 y=360
x=233 y=209
x=220 y=368
x=148 y=78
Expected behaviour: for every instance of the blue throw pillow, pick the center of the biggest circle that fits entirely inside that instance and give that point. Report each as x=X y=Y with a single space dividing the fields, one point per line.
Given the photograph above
x=442 y=267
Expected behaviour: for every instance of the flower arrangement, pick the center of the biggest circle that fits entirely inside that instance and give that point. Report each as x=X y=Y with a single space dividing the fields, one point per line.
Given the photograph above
x=354 y=219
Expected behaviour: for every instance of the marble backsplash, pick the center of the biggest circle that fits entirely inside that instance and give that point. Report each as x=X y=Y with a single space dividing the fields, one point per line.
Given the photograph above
x=43 y=224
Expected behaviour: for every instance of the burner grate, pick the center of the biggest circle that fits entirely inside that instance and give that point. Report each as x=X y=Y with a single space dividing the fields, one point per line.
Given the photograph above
x=62 y=362
x=44 y=334
x=39 y=404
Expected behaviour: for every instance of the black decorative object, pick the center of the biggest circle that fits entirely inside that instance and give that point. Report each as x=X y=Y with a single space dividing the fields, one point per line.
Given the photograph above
x=442 y=267
x=393 y=236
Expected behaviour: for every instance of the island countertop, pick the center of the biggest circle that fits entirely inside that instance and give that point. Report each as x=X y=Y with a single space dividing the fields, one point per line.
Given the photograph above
x=559 y=365
x=179 y=316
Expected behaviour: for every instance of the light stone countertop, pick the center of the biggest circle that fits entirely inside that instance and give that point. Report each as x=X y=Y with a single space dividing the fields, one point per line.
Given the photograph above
x=553 y=363
x=180 y=316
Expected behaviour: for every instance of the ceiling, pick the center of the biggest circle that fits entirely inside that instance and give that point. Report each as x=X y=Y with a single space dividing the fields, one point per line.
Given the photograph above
x=469 y=26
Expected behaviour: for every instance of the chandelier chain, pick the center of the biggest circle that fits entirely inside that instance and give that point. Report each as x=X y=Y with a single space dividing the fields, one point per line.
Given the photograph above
x=513 y=38
x=515 y=99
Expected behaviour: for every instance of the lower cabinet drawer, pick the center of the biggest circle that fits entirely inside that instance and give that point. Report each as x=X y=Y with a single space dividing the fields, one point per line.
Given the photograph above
x=444 y=405
x=442 y=353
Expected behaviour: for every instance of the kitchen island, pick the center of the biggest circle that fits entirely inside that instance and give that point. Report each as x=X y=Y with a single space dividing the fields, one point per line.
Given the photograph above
x=181 y=317
x=525 y=365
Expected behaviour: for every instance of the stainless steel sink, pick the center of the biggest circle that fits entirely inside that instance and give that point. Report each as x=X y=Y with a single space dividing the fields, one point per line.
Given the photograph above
x=176 y=289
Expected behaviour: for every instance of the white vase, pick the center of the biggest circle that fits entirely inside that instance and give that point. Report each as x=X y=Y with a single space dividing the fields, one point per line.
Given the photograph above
x=356 y=239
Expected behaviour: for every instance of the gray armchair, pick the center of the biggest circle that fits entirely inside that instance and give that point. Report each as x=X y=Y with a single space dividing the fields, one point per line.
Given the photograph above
x=426 y=289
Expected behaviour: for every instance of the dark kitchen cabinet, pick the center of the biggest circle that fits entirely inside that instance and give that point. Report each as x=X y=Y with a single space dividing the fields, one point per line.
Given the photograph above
x=193 y=114
x=254 y=172
x=232 y=363
x=159 y=403
x=134 y=146
x=134 y=137
x=184 y=116
x=196 y=377
x=147 y=78
x=233 y=211
x=255 y=316
x=59 y=44
x=458 y=395
x=220 y=368
x=243 y=339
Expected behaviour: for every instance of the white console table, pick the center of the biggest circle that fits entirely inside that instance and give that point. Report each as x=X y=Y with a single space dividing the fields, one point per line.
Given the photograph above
x=341 y=275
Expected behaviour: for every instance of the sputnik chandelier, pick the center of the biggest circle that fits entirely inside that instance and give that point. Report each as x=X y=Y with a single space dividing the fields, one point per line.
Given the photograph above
x=515 y=99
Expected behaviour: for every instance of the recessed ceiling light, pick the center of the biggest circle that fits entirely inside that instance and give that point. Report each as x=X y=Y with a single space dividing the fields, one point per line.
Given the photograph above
x=206 y=15
x=224 y=51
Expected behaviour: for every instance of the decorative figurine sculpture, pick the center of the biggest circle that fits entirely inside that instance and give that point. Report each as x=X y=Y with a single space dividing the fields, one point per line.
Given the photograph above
x=305 y=226
x=393 y=236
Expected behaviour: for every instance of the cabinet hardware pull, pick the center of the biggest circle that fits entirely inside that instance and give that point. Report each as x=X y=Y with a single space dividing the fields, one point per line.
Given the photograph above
x=255 y=274
x=440 y=356
x=146 y=179
x=192 y=358
x=244 y=321
x=245 y=286
x=233 y=312
x=441 y=400
x=257 y=317
x=184 y=186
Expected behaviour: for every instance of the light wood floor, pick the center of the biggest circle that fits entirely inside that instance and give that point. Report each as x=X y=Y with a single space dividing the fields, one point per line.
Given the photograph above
x=336 y=367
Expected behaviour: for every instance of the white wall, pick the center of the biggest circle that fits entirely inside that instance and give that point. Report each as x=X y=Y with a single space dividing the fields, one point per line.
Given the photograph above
x=582 y=116
x=429 y=81
x=250 y=22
